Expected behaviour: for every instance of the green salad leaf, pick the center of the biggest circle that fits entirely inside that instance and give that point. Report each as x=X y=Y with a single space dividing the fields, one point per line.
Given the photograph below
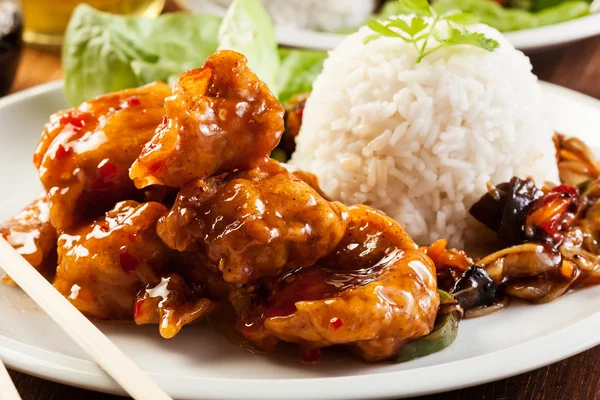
x=247 y=29
x=511 y=19
x=505 y=19
x=298 y=71
x=104 y=52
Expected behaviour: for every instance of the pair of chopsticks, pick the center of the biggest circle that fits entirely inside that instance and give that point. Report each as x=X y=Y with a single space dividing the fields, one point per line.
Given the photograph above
x=78 y=327
x=8 y=391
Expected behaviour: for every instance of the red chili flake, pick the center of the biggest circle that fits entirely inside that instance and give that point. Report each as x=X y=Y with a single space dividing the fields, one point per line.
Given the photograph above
x=75 y=119
x=137 y=308
x=133 y=101
x=62 y=152
x=128 y=261
x=107 y=170
x=336 y=323
x=309 y=355
x=104 y=228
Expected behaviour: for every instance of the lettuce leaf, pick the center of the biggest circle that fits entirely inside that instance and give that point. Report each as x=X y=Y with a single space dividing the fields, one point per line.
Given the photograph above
x=247 y=28
x=298 y=71
x=504 y=19
x=103 y=52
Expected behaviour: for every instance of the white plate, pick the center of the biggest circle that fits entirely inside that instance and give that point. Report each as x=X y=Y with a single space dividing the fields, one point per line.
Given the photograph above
x=200 y=363
x=529 y=39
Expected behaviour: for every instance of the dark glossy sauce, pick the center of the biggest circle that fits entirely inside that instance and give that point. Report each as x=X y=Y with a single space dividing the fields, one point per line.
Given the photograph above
x=315 y=283
x=11 y=25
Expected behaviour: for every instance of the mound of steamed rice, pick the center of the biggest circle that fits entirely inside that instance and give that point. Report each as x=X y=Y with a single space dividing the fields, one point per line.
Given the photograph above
x=326 y=15
x=421 y=141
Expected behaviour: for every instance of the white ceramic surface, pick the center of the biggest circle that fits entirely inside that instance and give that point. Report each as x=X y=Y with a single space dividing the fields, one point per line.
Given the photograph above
x=529 y=39
x=200 y=363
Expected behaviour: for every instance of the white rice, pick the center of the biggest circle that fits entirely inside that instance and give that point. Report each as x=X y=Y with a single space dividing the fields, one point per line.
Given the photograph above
x=420 y=142
x=327 y=15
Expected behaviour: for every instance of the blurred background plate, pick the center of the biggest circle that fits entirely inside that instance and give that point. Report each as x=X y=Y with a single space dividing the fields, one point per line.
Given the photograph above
x=201 y=363
x=529 y=39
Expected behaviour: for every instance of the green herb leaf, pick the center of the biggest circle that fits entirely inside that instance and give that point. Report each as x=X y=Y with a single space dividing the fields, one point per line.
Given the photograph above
x=400 y=24
x=420 y=36
x=383 y=30
x=471 y=38
x=372 y=37
x=453 y=33
x=417 y=25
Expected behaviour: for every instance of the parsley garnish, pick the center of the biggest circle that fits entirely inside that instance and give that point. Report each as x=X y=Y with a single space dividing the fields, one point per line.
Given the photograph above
x=416 y=31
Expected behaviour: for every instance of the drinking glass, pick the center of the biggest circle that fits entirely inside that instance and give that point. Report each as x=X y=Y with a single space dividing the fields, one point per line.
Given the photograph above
x=46 y=20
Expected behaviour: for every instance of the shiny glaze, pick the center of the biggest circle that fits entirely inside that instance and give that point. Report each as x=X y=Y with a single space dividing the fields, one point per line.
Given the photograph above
x=374 y=292
x=254 y=223
x=221 y=117
x=111 y=259
x=33 y=236
x=310 y=179
x=245 y=237
x=85 y=153
x=171 y=304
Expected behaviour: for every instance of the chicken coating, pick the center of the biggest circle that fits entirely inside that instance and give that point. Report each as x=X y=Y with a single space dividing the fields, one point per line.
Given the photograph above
x=33 y=236
x=254 y=223
x=221 y=117
x=374 y=293
x=103 y=265
x=310 y=179
x=85 y=153
x=171 y=304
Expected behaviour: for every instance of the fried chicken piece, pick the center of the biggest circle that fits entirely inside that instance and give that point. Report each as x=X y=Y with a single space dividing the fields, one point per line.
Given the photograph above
x=171 y=304
x=374 y=292
x=33 y=236
x=103 y=265
x=310 y=179
x=85 y=153
x=254 y=223
x=220 y=118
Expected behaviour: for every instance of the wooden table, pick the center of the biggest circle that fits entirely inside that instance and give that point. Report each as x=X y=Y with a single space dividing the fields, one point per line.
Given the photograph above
x=577 y=67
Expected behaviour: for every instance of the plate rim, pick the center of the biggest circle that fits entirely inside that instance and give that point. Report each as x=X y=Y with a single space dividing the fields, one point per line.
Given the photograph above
x=525 y=39
x=77 y=372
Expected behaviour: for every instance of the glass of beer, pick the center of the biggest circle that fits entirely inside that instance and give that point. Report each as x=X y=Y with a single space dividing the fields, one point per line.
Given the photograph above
x=46 y=20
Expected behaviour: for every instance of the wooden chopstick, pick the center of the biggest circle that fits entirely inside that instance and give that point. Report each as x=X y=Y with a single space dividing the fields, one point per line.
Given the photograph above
x=78 y=327
x=8 y=391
